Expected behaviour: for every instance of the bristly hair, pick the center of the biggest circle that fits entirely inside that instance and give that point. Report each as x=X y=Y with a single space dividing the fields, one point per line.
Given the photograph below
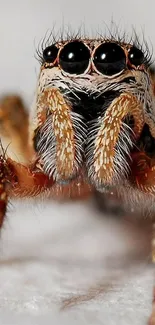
x=52 y=37
x=145 y=46
x=113 y=33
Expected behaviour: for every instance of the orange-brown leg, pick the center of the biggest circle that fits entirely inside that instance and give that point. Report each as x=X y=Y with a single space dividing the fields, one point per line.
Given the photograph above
x=14 y=128
x=31 y=181
x=27 y=180
x=143 y=173
x=16 y=179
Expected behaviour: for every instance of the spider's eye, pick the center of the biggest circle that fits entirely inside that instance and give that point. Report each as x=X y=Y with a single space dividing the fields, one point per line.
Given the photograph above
x=50 y=54
x=74 y=57
x=136 y=56
x=109 y=59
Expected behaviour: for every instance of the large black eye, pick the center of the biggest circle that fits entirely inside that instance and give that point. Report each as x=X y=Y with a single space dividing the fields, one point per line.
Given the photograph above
x=74 y=57
x=109 y=59
x=136 y=56
x=50 y=54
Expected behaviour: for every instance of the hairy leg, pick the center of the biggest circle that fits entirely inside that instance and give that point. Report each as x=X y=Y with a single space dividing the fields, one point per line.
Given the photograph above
x=14 y=128
x=19 y=180
x=142 y=174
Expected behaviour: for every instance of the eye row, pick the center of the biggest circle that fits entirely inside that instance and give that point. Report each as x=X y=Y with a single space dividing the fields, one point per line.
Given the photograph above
x=108 y=58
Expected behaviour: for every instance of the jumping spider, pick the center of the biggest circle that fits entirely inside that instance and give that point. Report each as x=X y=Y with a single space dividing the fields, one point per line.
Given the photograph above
x=91 y=127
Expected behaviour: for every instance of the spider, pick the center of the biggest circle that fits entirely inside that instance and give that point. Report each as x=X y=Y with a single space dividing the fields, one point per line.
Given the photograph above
x=91 y=126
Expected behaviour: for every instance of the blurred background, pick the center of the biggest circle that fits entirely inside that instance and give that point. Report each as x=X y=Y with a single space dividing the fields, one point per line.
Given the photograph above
x=69 y=258
x=24 y=23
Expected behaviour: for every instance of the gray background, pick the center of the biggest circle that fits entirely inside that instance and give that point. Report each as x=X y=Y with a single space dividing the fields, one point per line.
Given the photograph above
x=24 y=23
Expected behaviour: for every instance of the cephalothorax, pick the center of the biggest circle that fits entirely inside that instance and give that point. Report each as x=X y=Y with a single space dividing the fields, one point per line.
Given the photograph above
x=94 y=112
x=92 y=123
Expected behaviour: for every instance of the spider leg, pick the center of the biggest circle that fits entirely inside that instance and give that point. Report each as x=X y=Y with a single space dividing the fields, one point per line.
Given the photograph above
x=59 y=135
x=19 y=180
x=143 y=172
x=27 y=180
x=113 y=140
x=14 y=128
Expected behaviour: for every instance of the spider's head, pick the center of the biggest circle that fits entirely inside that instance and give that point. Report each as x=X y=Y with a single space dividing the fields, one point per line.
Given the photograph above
x=93 y=109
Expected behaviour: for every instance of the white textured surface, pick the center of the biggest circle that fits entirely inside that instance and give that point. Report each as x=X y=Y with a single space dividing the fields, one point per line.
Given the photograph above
x=53 y=252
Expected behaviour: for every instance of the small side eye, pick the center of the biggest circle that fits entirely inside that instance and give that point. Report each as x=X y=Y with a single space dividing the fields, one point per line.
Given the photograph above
x=136 y=56
x=50 y=54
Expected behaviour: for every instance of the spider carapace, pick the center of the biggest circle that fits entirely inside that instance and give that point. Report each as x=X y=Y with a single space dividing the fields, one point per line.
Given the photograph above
x=91 y=126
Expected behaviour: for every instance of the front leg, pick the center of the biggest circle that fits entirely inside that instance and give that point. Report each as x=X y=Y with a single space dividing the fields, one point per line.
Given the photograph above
x=27 y=181
x=59 y=136
x=143 y=173
x=19 y=180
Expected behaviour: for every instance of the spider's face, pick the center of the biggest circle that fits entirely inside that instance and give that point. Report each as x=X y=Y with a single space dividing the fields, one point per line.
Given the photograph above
x=89 y=65
x=94 y=102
